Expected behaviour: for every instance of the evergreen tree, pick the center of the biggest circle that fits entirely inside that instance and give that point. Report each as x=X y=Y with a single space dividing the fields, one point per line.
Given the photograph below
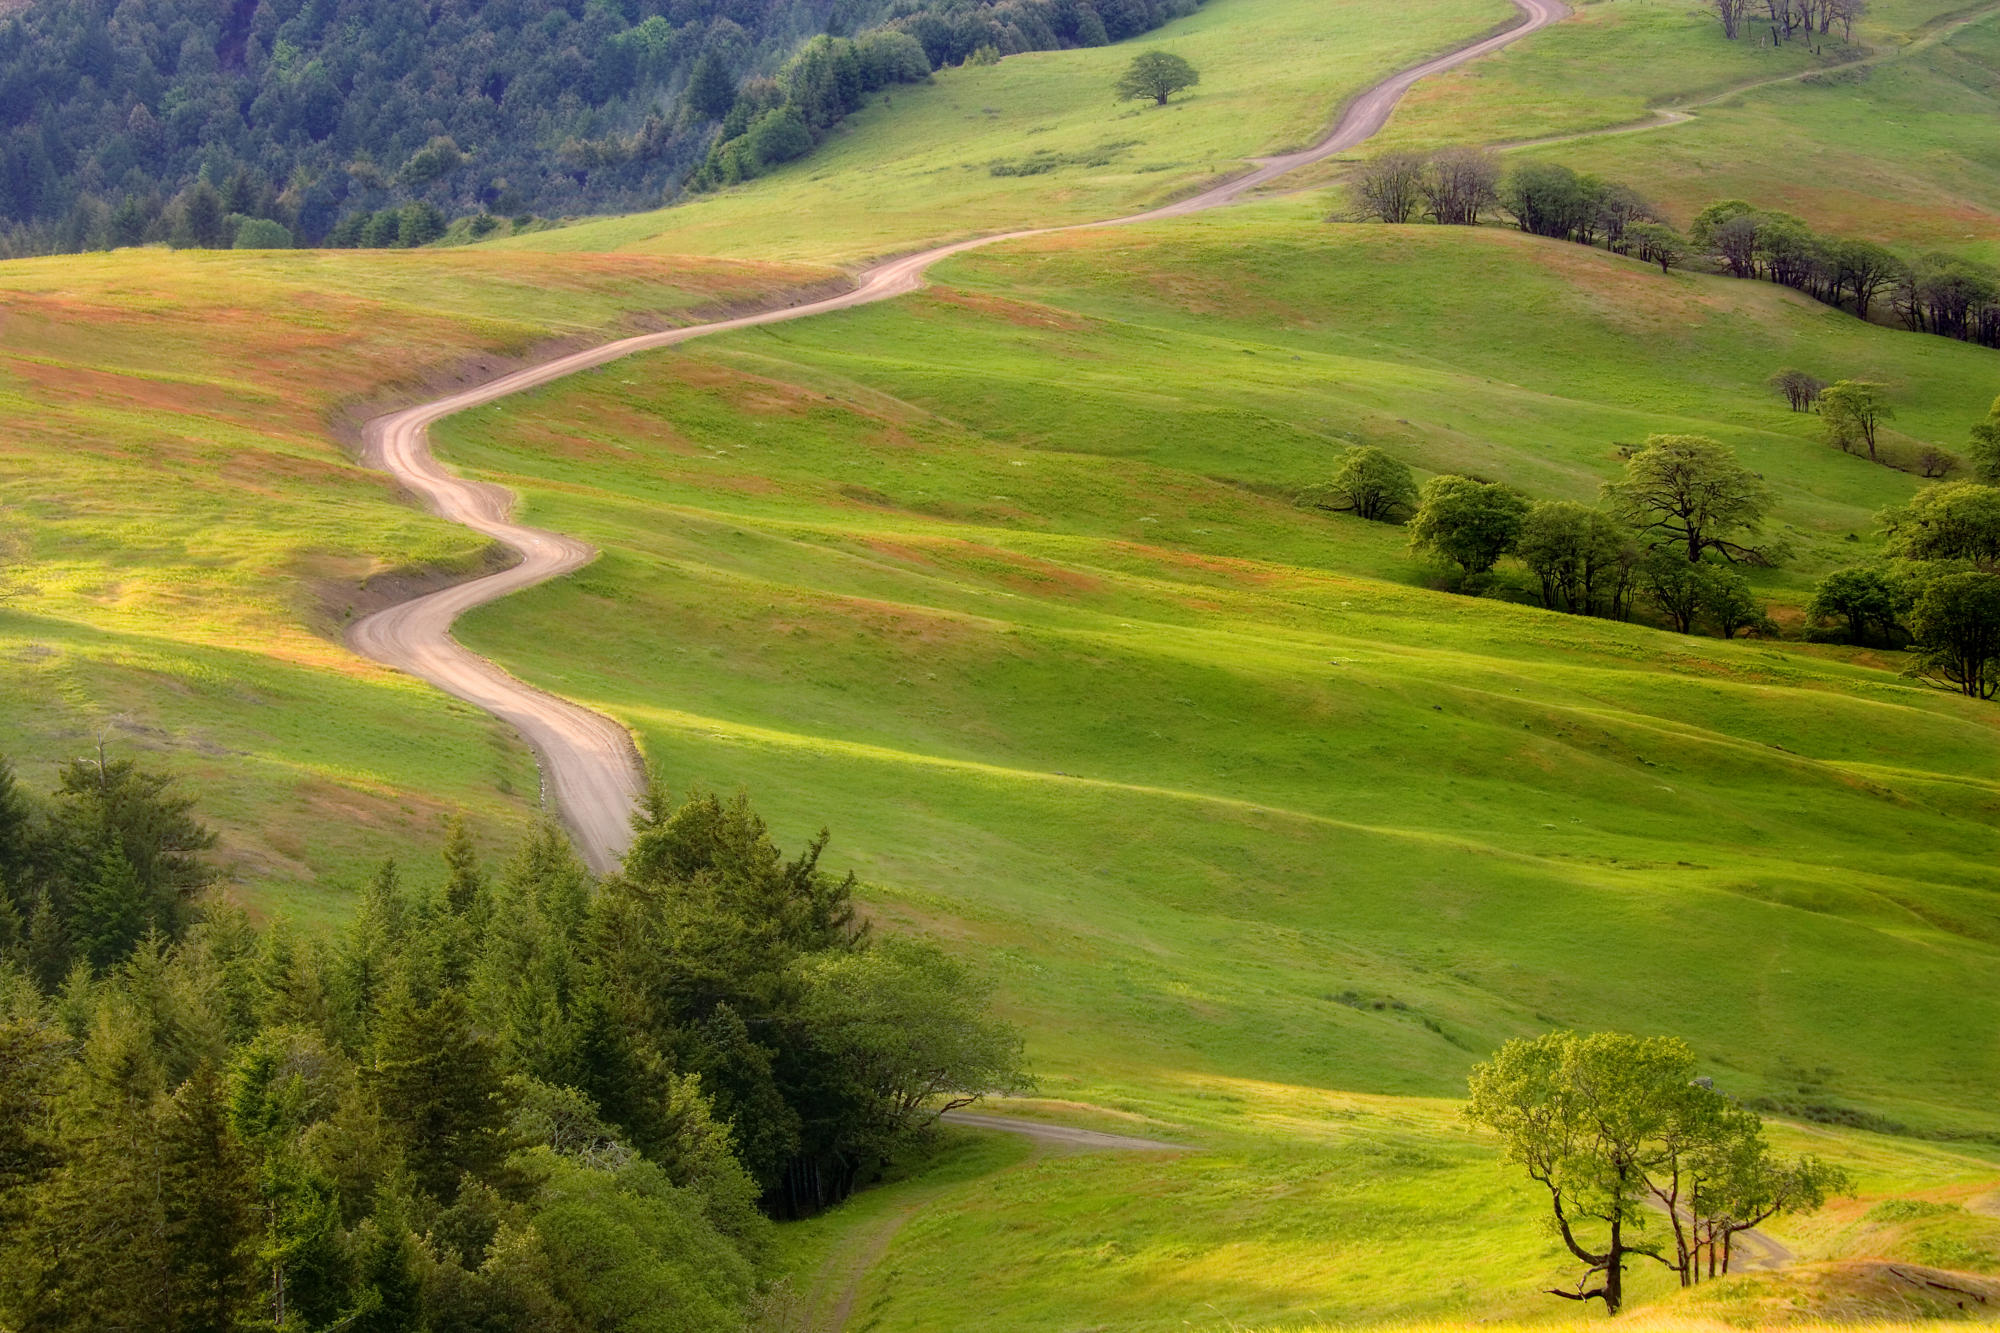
x=203 y=221
x=434 y=1078
x=46 y=952
x=465 y=883
x=710 y=90
x=208 y=1213
x=111 y=910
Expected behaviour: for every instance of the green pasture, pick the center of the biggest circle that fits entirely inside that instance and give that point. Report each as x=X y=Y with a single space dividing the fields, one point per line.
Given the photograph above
x=182 y=536
x=1900 y=151
x=1886 y=137
x=1009 y=592
x=918 y=165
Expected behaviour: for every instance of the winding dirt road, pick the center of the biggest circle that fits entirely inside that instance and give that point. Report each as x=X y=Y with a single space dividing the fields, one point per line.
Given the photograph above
x=590 y=770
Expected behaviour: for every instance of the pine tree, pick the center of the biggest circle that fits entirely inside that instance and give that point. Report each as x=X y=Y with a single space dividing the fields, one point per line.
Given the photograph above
x=110 y=913
x=436 y=1081
x=465 y=883
x=386 y=1271
x=209 y=1222
x=47 y=949
x=710 y=90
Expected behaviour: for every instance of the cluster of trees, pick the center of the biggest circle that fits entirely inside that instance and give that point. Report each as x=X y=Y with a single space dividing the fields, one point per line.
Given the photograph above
x=111 y=111
x=1790 y=18
x=771 y=121
x=512 y=1101
x=1453 y=186
x=1670 y=531
x=1458 y=186
x=1938 y=589
x=1628 y=1141
x=1934 y=293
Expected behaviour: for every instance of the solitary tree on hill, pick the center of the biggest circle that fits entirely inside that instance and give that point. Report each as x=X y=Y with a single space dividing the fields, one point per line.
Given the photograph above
x=1155 y=74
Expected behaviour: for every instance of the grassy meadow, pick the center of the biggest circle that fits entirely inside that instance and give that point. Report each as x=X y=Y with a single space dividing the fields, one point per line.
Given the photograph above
x=186 y=535
x=1265 y=840
x=1038 y=139
x=1885 y=137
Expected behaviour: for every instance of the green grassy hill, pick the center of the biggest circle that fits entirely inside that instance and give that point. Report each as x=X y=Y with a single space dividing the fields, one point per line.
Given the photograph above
x=184 y=535
x=1039 y=139
x=1002 y=582
x=1887 y=136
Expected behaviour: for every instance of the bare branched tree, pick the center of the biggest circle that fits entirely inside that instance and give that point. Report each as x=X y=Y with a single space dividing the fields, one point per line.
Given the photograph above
x=1389 y=186
x=1459 y=184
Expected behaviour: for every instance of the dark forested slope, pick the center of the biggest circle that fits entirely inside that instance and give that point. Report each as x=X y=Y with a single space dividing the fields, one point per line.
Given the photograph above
x=305 y=112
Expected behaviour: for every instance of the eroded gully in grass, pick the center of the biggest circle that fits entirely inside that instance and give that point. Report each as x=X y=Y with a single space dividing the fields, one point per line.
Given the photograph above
x=591 y=770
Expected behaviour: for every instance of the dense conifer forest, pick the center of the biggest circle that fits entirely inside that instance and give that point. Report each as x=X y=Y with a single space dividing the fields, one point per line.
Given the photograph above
x=512 y=1099
x=272 y=122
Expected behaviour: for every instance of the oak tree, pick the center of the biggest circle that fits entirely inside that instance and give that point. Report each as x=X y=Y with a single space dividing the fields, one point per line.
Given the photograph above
x=1469 y=523
x=1689 y=493
x=1367 y=483
x=1155 y=74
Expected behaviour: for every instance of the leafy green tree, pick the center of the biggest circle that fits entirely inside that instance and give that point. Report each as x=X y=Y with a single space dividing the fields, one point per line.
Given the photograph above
x=1469 y=523
x=1956 y=521
x=1548 y=199
x=1689 y=493
x=1677 y=589
x=1582 y=1115
x=1985 y=449
x=1745 y=1185
x=1730 y=605
x=1367 y=483
x=1956 y=624
x=1864 y=598
x=1657 y=243
x=1852 y=412
x=261 y=234
x=777 y=136
x=1155 y=74
x=436 y=160
x=621 y=1243
x=1583 y=559
x=911 y=1026
x=1608 y=1123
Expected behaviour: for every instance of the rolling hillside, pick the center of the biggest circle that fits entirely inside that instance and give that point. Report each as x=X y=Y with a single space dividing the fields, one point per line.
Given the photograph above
x=1264 y=836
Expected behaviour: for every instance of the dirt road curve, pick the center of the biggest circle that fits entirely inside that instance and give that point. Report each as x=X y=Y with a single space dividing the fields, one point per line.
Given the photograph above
x=590 y=770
